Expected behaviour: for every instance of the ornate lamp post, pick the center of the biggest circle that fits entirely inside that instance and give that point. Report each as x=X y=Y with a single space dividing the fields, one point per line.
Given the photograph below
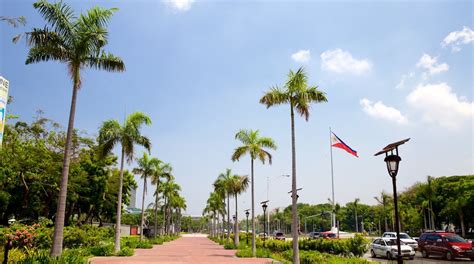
x=393 y=160
x=247 y=234
x=264 y=207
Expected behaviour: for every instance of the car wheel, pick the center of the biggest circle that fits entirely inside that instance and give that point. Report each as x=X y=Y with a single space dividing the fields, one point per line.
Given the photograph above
x=411 y=258
x=372 y=253
x=389 y=255
x=424 y=254
x=449 y=256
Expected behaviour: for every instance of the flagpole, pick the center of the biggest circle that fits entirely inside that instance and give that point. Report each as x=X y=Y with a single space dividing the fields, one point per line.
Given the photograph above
x=333 y=215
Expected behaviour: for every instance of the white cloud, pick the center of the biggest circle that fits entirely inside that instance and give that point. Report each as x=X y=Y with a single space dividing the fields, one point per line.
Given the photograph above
x=440 y=105
x=404 y=79
x=341 y=61
x=302 y=56
x=179 y=5
x=431 y=64
x=458 y=38
x=380 y=111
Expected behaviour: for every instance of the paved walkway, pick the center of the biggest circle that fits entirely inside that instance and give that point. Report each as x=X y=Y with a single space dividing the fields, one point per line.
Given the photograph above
x=186 y=249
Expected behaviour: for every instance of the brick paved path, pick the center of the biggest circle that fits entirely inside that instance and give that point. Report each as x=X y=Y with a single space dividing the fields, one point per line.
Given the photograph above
x=187 y=249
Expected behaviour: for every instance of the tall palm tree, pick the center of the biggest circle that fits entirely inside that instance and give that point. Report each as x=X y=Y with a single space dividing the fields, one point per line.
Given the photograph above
x=169 y=190
x=384 y=201
x=238 y=185
x=356 y=203
x=78 y=42
x=177 y=204
x=214 y=207
x=146 y=168
x=162 y=170
x=256 y=147
x=299 y=95
x=223 y=185
x=127 y=135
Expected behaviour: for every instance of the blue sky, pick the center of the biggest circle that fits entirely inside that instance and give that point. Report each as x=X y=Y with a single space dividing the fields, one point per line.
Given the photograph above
x=391 y=70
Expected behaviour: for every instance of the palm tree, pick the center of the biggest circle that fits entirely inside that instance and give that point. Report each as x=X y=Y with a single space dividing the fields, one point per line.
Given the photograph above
x=299 y=95
x=169 y=190
x=238 y=185
x=127 y=135
x=162 y=170
x=356 y=202
x=255 y=146
x=78 y=42
x=223 y=186
x=214 y=207
x=177 y=203
x=146 y=168
x=384 y=201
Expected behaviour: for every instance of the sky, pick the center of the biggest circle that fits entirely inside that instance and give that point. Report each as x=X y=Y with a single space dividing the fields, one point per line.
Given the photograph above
x=390 y=69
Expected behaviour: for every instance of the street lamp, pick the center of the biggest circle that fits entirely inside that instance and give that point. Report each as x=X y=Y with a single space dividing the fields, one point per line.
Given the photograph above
x=235 y=223
x=247 y=215
x=264 y=207
x=393 y=160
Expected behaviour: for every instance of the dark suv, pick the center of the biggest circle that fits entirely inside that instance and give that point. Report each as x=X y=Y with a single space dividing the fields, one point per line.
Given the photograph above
x=447 y=245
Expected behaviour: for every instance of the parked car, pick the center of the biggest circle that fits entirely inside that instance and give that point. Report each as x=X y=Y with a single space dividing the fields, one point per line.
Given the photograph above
x=328 y=234
x=447 y=245
x=314 y=235
x=279 y=236
x=403 y=237
x=388 y=247
x=263 y=235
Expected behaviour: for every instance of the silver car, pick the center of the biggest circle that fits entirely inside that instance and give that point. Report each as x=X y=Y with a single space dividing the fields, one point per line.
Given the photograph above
x=388 y=247
x=404 y=237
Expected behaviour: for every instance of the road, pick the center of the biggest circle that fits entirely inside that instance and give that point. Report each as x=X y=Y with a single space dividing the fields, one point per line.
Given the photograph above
x=419 y=260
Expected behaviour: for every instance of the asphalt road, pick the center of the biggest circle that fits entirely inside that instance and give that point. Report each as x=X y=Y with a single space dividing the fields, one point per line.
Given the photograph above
x=419 y=259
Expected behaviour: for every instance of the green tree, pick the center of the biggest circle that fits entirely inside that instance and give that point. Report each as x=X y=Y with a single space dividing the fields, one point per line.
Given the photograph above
x=223 y=185
x=299 y=95
x=237 y=185
x=78 y=42
x=162 y=170
x=256 y=147
x=146 y=168
x=127 y=135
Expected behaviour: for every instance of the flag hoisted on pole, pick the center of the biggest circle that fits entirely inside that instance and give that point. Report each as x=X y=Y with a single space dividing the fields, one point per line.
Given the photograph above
x=335 y=141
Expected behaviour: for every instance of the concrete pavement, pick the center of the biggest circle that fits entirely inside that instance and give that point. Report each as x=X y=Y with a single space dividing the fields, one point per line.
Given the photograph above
x=193 y=248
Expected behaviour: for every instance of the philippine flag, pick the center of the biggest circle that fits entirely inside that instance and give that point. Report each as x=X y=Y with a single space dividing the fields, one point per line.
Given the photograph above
x=338 y=143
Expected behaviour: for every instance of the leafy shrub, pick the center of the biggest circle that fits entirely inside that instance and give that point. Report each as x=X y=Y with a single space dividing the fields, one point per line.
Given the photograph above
x=247 y=253
x=46 y=259
x=125 y=251
x=102 y=250
x=357 y=245
x=74 y=237
x=144 y=244
x=314 y=257
x=230 y=246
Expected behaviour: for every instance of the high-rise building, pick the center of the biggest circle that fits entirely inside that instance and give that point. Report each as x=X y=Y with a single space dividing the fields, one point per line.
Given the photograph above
x=133 y=198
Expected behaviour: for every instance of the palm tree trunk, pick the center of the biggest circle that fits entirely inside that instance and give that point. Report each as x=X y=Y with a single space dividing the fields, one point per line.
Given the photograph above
x=156 y=209
x=236 y=228
x=119 y=205
x=142 y=222
x=461 y=219
x=228 y=218
x=164 y=216
x=294 y=212
x=254 y=248
x=57 y=247
x=356 y=223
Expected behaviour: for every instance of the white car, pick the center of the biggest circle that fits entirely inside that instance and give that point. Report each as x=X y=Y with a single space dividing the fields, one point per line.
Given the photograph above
x=388 y=247
x=404 y=237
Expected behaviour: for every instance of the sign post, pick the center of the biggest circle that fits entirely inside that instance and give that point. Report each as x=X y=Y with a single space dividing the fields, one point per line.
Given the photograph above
x=3 y=105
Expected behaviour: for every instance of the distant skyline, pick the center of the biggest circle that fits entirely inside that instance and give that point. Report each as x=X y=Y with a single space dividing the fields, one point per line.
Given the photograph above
x=391 y=70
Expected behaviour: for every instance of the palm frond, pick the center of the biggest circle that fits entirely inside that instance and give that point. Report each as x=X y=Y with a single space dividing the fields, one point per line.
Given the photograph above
x=46 y=52
x=239 y=152
x=106 y=61
x=243 y=136
x=59 y=15
x=275 y=96
x=267 y=142
x=109 y=135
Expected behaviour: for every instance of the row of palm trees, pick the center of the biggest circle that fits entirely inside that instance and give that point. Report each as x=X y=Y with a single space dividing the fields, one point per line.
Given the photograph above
x=226 y=185
x=167 y=189
x=299 y=95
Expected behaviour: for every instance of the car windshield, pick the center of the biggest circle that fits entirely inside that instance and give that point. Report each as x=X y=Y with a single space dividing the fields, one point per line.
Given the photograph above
x=455 y=238
x=279 y=234
x=405 y=236
x=393 y=242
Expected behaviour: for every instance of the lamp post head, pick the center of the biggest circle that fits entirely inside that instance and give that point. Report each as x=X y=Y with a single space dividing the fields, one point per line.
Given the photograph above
x=264 y=206
x=247 y=213
x=392 y=164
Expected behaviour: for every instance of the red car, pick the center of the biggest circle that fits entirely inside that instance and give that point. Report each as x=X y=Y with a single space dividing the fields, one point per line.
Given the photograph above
x=447 y=245
x=328 y=234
